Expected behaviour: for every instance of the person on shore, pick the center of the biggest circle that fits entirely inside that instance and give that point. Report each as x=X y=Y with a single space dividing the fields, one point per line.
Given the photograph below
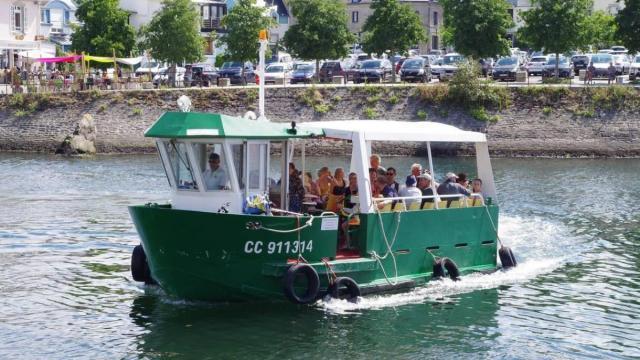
x=215 y=177
x=391 y=179
x=375 y=161
x=612 y=73
x=410 y=190
x=451 y=187
x=591 y=72
x=296 y=189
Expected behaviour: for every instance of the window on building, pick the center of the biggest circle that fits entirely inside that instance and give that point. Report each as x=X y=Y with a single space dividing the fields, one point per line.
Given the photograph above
x=17 y=18
x=45 y=16
x=354 y=16
x=355 y=1
x=434 y=42
x=67 y=17
x=435 y=18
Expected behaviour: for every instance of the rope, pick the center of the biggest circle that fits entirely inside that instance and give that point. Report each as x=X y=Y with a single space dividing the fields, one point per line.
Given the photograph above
x=331 y=275
x=389 y=246
x=486 y=208
x=307 y=224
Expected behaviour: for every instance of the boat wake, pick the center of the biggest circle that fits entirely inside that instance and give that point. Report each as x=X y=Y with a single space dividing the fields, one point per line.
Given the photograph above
x=536 y=242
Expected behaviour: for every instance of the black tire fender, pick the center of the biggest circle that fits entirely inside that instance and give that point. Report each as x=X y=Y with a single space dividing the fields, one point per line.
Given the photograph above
x=313 y=284
x=352 y=289
x=140 y=267
x=446 y=267
x=507 y=258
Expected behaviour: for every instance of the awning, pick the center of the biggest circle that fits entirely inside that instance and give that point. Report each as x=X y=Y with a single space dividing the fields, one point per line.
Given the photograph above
x=102 y=59
x=65 y=59
x=130 y=61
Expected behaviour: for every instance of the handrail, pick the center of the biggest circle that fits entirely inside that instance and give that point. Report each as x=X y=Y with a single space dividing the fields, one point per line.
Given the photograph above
x=426 y=197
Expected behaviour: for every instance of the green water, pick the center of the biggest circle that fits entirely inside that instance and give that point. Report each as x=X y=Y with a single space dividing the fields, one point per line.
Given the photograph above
x=66 y=291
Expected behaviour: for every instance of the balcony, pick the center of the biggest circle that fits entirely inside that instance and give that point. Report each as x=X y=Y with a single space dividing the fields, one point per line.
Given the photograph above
x=210 y=24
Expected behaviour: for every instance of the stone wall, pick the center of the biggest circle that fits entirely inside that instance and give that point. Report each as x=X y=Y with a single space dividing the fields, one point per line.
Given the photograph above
x=531 y=125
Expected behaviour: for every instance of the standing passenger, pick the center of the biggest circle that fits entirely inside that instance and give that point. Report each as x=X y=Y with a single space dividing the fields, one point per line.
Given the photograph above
x=375 y=161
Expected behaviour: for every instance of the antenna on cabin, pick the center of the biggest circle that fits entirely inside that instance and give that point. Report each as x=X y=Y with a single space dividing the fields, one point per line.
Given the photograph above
x=263 y=48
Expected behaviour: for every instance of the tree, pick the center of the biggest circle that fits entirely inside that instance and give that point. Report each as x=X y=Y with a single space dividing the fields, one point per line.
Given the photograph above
x=392 y=27
x=477 y=28
x=600 y=30
x=105 y=29
x=320 y=32
x=628 y=20
x=173 y=35
x=243 y=24
x=556 y=26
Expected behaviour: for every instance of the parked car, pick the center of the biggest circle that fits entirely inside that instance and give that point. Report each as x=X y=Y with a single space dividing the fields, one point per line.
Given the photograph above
x=149 y=67
x=303 y=74
x=536 y=65
x=399 y=63
x=634 y=70
x=506 y=68
x=601 y=63
x=622 y=64
x=619 y=50
x=565 y=69
x=486 y=66
x=377 y=70
x=277 y=73
x=330 y=69
x=605 y=51
x=448 y=65
x=232 y=70
x=351 y=70
x=162 y=77
x=436 y=52
x=203 y=74
x=416 y=70
x=580 y=62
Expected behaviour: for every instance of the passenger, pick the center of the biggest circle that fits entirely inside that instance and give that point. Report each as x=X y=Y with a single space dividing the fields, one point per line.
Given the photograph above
x=338 y=188
x=215 y=177
x=351 y=190
x=373 y=177
x=375 y=163
x=391 y=179
x=451 y=187
x=477 y=194
x=310 y=186
x=411 y=191
x=324 y=182
x=462 y=180
x=416 y=170
x=424 y=185
x=296 y=189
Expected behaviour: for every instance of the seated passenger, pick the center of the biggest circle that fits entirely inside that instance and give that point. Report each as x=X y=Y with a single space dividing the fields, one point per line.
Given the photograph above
x=215 y=177
x=310 y=186
x=373 y=177
x=451 y=187
x=296 y=189
x=477 y=196
x=385 y=190
x=351 y=190
x=336 y=194
x=411 y=191
x=424 y=185
x=416 y=170
x=391 y=179
x=462 y=180
x=324 y=182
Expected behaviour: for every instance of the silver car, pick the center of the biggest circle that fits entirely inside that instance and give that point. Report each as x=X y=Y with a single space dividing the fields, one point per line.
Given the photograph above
x=622 y=64
x=535 y=66
x=634 y=69
x=448 y=66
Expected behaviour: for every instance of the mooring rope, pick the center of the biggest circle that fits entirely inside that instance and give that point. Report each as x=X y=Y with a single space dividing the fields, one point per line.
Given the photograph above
x=389 y=246
x=486 y=208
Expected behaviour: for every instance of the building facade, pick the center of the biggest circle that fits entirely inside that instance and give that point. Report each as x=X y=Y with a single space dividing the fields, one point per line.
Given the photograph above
x=430 y=12
x=20 y=31
x=56 y=20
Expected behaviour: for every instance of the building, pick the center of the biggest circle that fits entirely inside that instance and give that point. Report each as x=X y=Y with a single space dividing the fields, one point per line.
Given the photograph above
x=20 y=32
x=56 y=20
x=430 y=12
x=609 y=6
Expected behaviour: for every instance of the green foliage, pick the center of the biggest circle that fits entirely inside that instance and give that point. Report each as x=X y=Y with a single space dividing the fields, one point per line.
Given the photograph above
x=628 y=20
x=105 y=28
x=173 y=35
x=546 y=111
x=600 y=31
x=556 y=26
x=587 y=112
x=477 y=28
x=313 y=98
x=20 y=113
x=480 y=114
x=392 y=26
x=243 y=24
x=432 y=94
x=370 y=113
x=336 y=98
x=421 y=114
x=372 y=100
x=102 y=108
x=137 y=111
x=320 y=32
x=467 y=90
x=554 y=80
x=393 y=100
x=27 y=104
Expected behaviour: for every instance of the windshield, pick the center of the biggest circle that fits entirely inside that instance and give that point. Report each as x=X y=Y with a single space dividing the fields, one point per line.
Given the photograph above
x=412 y=64
x=539 y=59
x=306 y=67
x=274 y=69
x=637 y=59
x=371 y=64
x=231 y=64
x=452 y=59
x=552 y=61
x=508 y=61
x=601 y=59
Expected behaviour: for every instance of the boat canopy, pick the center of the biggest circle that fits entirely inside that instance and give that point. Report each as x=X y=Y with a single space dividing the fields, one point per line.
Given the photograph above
x=203 y=125
x=389 y=130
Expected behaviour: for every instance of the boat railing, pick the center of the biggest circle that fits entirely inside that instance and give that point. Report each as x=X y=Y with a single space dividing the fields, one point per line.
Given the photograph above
x=440 y=201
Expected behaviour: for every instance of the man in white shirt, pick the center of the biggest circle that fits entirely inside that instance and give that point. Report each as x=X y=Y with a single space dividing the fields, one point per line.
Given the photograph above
x=215 y=177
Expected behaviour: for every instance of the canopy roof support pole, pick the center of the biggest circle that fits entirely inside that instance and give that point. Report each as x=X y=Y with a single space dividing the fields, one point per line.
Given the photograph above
x=360 y=165
x=485 y=172
x=284 y=178
x=433 y=175
x=263 y=48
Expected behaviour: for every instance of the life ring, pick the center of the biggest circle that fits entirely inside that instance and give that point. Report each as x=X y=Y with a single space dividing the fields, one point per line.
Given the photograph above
x=313 y=284
x=352 y=289
x=507 y=258
x=444 y=267
x=140 y=267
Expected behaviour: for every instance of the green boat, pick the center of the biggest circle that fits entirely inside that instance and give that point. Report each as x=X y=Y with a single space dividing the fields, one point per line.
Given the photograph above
x=228 y=233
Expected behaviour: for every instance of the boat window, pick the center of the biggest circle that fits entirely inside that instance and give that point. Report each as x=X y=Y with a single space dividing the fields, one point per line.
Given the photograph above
x=238 y=162
x=180 y=166
x=212 y=163
x=257 y=163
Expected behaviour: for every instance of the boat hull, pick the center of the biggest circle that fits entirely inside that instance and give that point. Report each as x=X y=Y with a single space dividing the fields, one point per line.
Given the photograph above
x=227 y=257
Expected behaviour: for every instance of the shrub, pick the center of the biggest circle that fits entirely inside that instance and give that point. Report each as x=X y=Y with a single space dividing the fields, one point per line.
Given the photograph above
x=336 y=98
x=555 y=80
x=422 y=115
x=372 y=100
x=393 y=100
x=137 y=111
x=546 y=111
x=370 y=113
x=102 y=108
x=20 y=113
x=587 y=112
x=130 y=102
x=432 y=94
x=481 y=114
x=313 y=98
